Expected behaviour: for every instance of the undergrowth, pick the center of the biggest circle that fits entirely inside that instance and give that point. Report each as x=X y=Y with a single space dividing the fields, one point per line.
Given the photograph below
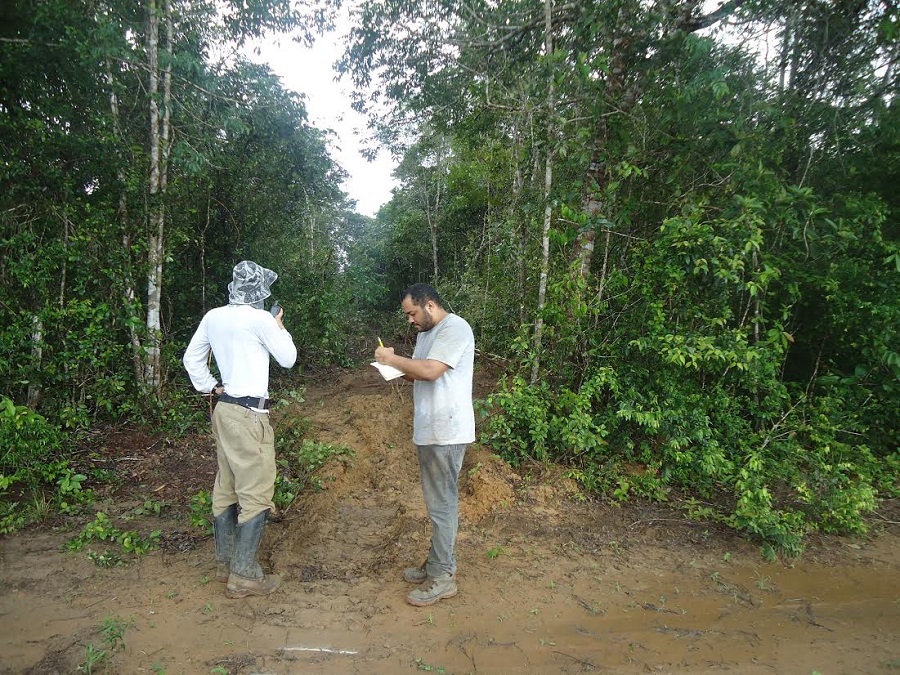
x=800 y=473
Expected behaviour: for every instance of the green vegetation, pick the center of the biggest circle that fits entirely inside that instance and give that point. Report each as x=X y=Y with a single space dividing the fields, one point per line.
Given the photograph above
x=681 y=251
x=426 y=667
x=101 y=529
x=93 y=657
x=495 y=552
x=33 y=470
x=297 y=458
x=298 y=465
x=201 y=511
x=705 y=241
x=112 y=630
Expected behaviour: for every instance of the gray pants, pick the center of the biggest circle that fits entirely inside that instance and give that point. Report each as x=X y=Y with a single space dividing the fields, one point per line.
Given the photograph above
x=440 y=466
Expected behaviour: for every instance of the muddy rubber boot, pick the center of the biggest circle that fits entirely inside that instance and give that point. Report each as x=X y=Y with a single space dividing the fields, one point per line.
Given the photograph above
x=223 y=529
x=246 y=577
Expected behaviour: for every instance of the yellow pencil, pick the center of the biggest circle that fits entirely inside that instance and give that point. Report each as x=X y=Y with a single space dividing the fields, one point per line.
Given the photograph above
x=380 y=343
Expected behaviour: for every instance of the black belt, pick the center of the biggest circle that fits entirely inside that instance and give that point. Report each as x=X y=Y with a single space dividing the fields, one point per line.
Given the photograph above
x=246 y=401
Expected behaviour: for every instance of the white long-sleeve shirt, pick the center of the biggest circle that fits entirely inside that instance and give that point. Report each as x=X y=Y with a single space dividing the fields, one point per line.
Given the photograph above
x=241 y=339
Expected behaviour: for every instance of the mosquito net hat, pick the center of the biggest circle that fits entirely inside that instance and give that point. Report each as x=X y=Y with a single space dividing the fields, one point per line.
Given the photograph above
x=250 y=283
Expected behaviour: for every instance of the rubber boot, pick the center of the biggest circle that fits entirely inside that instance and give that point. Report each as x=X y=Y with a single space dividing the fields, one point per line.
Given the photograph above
x=223 y=528
x=246 y=577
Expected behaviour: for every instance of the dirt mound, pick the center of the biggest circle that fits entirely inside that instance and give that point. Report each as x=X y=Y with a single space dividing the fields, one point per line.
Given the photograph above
x=372 y=516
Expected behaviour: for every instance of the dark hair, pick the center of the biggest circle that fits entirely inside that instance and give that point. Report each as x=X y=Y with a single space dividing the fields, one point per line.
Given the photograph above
x=422 y=293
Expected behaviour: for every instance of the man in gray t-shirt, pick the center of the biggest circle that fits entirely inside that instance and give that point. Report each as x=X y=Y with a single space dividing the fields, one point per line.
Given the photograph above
x=443 y=424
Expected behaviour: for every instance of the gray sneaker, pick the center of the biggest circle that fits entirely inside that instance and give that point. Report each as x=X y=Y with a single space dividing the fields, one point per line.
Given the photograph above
x=415 y=575
x=433 y=590
x=240 y=587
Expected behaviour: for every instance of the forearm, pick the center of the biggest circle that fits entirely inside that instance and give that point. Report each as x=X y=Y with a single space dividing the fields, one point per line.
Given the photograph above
x=202 y=379
x=196 y=364
x=417 y=369
x=286 y=353
x=281 y=345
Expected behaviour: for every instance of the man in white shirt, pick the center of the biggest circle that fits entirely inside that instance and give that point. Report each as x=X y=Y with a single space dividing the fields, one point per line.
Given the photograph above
x=242 y=337
x=443 y=425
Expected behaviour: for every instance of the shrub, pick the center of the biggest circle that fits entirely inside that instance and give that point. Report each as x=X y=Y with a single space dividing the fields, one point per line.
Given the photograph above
x=32 y=463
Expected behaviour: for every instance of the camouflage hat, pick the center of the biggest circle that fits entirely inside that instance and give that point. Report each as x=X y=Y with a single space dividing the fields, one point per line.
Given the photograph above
x=250 y=283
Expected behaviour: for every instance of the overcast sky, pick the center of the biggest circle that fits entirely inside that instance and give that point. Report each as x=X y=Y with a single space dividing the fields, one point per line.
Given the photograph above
x=310 y=72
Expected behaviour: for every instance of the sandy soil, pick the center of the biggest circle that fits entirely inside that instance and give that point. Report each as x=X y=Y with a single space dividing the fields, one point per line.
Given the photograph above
x=548 y=584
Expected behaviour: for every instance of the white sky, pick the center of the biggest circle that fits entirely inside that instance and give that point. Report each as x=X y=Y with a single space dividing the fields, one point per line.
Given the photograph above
x=310 y=72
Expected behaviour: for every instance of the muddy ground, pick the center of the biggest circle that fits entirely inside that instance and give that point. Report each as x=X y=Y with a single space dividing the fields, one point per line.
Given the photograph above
x=548 y=583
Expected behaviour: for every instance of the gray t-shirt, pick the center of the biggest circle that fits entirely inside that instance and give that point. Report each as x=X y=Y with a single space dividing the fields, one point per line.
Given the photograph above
x=443 y=409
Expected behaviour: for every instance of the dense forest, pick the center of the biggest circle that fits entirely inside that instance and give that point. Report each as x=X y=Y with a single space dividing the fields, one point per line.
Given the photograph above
x=673 y=226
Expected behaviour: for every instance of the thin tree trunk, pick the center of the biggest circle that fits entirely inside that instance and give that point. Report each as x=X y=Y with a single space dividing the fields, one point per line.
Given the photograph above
x=432 y=228
x=434 y=247
x=122 y=212
x=517 y=230
x=62 y=281
x=37 y=325
x=545 y=271
x=786 y=40
x=37 y=355
x=154 y=254
x=203 y=256
x=604 y=270
x=597 y=173
x=159 y=153
x=757 y=309
x=548 y=185
x=432 y=208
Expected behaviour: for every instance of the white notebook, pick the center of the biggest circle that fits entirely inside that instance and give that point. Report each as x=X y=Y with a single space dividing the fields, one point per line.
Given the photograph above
x=387 y=372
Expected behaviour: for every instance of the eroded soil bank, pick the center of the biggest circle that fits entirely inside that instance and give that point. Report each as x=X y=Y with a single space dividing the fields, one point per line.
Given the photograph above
x=547 y=584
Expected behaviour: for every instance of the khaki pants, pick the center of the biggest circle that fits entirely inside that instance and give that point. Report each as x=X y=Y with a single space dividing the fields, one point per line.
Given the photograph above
x=245 y=449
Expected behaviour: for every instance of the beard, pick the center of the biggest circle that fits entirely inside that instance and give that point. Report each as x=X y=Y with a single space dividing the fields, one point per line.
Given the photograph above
x=427 y=322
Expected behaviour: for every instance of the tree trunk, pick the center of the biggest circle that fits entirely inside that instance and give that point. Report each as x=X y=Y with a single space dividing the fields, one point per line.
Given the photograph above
x=598 y=172
x=128 y=292
x=605 y=269
x=203 y=255
x=787 y=37
x=434 y=247
x=518 y=229
x=548 y=211
x=37 y=355
x=159 y=154
x=433 y=206
x=62 y=281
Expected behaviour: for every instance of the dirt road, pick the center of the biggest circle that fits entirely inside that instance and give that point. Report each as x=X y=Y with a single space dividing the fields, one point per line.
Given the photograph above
x=548 y=584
